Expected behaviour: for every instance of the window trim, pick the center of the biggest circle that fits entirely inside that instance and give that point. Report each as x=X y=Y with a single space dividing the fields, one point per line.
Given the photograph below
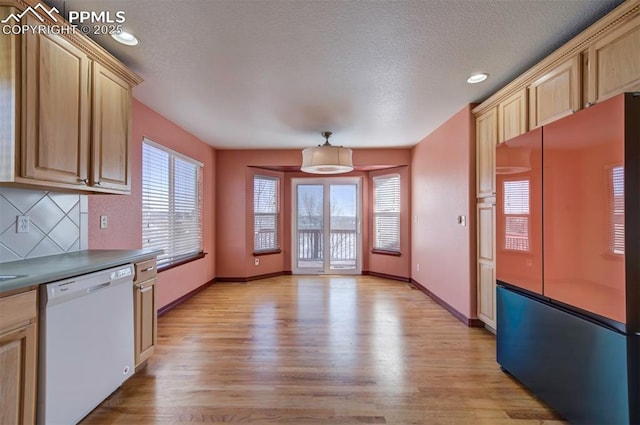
x=278 y=215
x=386 y=252
x=192 y=256
x=381 y=250
x=172 y=152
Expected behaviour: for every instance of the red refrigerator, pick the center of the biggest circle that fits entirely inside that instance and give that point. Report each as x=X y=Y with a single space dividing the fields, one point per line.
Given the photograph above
x=568 y=261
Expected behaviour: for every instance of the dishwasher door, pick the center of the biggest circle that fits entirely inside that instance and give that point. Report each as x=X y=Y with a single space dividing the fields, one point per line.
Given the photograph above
x=86 y=343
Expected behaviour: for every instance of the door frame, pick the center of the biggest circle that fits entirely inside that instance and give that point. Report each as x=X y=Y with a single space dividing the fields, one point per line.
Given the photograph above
x=326 y=182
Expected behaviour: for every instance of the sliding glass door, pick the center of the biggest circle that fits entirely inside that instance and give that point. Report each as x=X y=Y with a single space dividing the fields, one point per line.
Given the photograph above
x=326 y=226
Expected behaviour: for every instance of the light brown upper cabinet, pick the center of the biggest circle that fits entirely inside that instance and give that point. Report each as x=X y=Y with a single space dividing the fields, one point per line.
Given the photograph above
x=512 y=116
x=614 y=63
x=556 y=93
x=486 y=140
x=67 y=120
x=56 y=110
x=111 y=129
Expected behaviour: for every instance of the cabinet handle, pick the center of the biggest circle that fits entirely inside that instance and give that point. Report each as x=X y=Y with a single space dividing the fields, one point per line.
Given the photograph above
x=97 y=183
x=148 y=269
x=83 y=181
x=147 y=289
x=588 y=104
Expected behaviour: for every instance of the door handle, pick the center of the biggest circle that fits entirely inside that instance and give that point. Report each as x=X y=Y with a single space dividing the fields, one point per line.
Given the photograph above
x=95 y=288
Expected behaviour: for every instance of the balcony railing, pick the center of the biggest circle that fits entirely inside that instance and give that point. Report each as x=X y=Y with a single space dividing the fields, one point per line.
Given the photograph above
x=342 y=245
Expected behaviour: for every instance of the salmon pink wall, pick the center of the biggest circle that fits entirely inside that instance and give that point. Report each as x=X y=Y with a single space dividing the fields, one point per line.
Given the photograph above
x=124 y=211
x=443 y=187
x=269 y=263
x=235 y=172
x=233 y=227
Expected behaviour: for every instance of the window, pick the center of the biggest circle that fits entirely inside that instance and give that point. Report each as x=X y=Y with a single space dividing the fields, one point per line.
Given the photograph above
x=386 y=212
x=616 y=226
x=171 y=203
x=516 y=213
x=266 y=214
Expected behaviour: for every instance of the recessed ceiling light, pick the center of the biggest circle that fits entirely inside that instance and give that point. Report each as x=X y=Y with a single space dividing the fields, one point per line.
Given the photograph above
x=477 y=78
x=125 y=38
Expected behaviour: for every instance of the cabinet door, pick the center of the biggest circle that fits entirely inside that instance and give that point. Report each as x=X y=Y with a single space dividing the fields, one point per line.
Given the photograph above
x=486 y=140
x=614 y=62
x=111 y=130
x=55 y=117
x=145 y=312
x=584 y=209
x=486 y=264
x=18 y=376
x=18 y=358
x=556 y=94
x=512 y=116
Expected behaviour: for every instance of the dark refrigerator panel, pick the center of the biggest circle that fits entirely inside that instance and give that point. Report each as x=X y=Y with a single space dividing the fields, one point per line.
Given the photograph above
x=519 y=211
x=585 y=371
x=584 y=210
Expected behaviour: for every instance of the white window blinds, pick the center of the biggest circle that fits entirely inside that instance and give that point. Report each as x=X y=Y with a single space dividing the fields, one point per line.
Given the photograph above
x=266 y=213
x=516 y=212
x=386 y=212
x=616 y=229
x=171 y=203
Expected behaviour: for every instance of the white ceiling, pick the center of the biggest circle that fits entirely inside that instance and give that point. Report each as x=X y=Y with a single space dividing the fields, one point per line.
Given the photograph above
x=275 y=73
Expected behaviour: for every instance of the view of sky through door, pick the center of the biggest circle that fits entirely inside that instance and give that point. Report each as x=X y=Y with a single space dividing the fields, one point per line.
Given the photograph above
x=342 y=238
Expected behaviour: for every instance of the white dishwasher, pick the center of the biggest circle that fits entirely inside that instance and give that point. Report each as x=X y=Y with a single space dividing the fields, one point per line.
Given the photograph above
x=86 y=343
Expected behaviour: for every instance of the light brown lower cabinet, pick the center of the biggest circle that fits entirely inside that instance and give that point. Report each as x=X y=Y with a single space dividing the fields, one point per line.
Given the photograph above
x=486 y=225
x=145 y=309
x=18 y=358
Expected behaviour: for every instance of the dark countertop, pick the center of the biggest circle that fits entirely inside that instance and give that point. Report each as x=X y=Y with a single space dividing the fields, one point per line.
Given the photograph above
x=35 y=271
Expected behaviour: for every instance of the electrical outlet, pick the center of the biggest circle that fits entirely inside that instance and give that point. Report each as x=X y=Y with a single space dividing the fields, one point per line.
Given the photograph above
x=256 y=261
x=104 y=222
x=417 y=267
x=22 y=224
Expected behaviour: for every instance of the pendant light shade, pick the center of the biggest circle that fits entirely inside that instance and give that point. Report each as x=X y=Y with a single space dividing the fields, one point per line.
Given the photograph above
x=326 y=159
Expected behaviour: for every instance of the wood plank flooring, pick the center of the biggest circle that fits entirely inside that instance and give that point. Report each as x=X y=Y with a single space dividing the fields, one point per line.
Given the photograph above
x=320 y=350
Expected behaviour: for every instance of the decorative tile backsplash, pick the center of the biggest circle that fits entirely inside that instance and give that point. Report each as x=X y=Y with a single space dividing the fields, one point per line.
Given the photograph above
x=58 y=223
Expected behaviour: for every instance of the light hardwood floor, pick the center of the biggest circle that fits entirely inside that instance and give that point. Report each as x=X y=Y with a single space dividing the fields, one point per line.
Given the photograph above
x=320 y=350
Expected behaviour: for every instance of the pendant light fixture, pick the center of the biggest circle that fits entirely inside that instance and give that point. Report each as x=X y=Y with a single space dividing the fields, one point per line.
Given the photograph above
x=326 y=158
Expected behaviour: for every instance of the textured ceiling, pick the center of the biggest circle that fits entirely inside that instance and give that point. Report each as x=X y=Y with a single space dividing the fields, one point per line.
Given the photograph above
x=275 y=73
